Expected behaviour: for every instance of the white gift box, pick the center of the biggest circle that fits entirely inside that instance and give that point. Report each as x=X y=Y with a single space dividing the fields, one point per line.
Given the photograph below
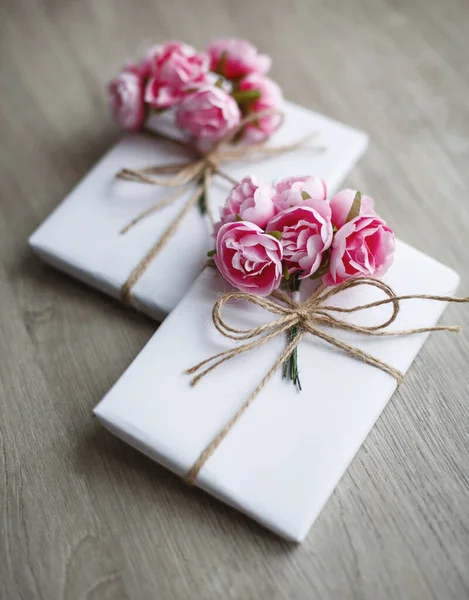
x=282 y=460
x=82 y=236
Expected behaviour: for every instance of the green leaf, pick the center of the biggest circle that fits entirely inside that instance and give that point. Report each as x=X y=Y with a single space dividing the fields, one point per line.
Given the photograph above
x=305 y=195
x=355 y=208
x=211 y=253
x=238 y=218
x=275 y=234
x=242 y=97
x=286 y=274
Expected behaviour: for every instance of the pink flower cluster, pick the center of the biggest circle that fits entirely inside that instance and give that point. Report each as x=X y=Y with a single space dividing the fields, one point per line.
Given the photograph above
x=267 y=234
x=211 y=92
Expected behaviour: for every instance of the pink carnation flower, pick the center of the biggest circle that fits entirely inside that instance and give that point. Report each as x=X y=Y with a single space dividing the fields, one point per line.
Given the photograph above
x=126 y=99
x=234 y=58
x=306 y=233
x=209 y=113
x=363 y=247
x=248 y=258
x=270 y=101
x=250 y=200
x=299 y=191
x=173 y=69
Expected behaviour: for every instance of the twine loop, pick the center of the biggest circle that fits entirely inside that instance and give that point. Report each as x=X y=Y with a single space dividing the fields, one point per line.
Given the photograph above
x=311 y=316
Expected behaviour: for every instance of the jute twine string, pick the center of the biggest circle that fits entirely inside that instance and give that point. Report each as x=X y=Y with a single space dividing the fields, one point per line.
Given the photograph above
x=308 y=316
x=198 y=170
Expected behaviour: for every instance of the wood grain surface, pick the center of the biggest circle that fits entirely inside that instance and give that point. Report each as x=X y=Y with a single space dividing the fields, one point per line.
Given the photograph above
x=85 y=516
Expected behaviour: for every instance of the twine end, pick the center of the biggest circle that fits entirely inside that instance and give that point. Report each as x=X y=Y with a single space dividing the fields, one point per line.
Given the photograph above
x=195 y=380
x=125 y=294
x=125 y=229
x=190 y=478
x=122 y=174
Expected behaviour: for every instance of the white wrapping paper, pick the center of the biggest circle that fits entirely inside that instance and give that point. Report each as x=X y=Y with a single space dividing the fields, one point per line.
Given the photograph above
x=282 y=460
x=81 y=237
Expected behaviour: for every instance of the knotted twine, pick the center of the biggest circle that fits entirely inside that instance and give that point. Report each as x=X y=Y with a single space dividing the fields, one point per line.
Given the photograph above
x=199 y=170
x=308 y=317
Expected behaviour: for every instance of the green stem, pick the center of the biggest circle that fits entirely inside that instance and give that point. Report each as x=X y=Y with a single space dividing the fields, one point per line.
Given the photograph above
x=202 y=200
x=290 y=368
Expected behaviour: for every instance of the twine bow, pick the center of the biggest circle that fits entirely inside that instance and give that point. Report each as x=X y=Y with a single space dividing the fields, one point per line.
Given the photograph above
x=309 y=317
x=198 y=170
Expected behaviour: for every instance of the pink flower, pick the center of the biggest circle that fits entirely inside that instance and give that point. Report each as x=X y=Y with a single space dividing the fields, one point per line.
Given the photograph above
x=248 y=258
x=270 y=101
x=250 y=200
x=306 y=233
x=126 y=99
x=173 y=68
x=363 y=247
x=299 y=191
x=341 y=204
x=235 y=58
x=209 y=113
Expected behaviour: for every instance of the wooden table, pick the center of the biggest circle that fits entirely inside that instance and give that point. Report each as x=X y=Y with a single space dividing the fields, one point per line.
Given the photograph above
x=85 y=516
